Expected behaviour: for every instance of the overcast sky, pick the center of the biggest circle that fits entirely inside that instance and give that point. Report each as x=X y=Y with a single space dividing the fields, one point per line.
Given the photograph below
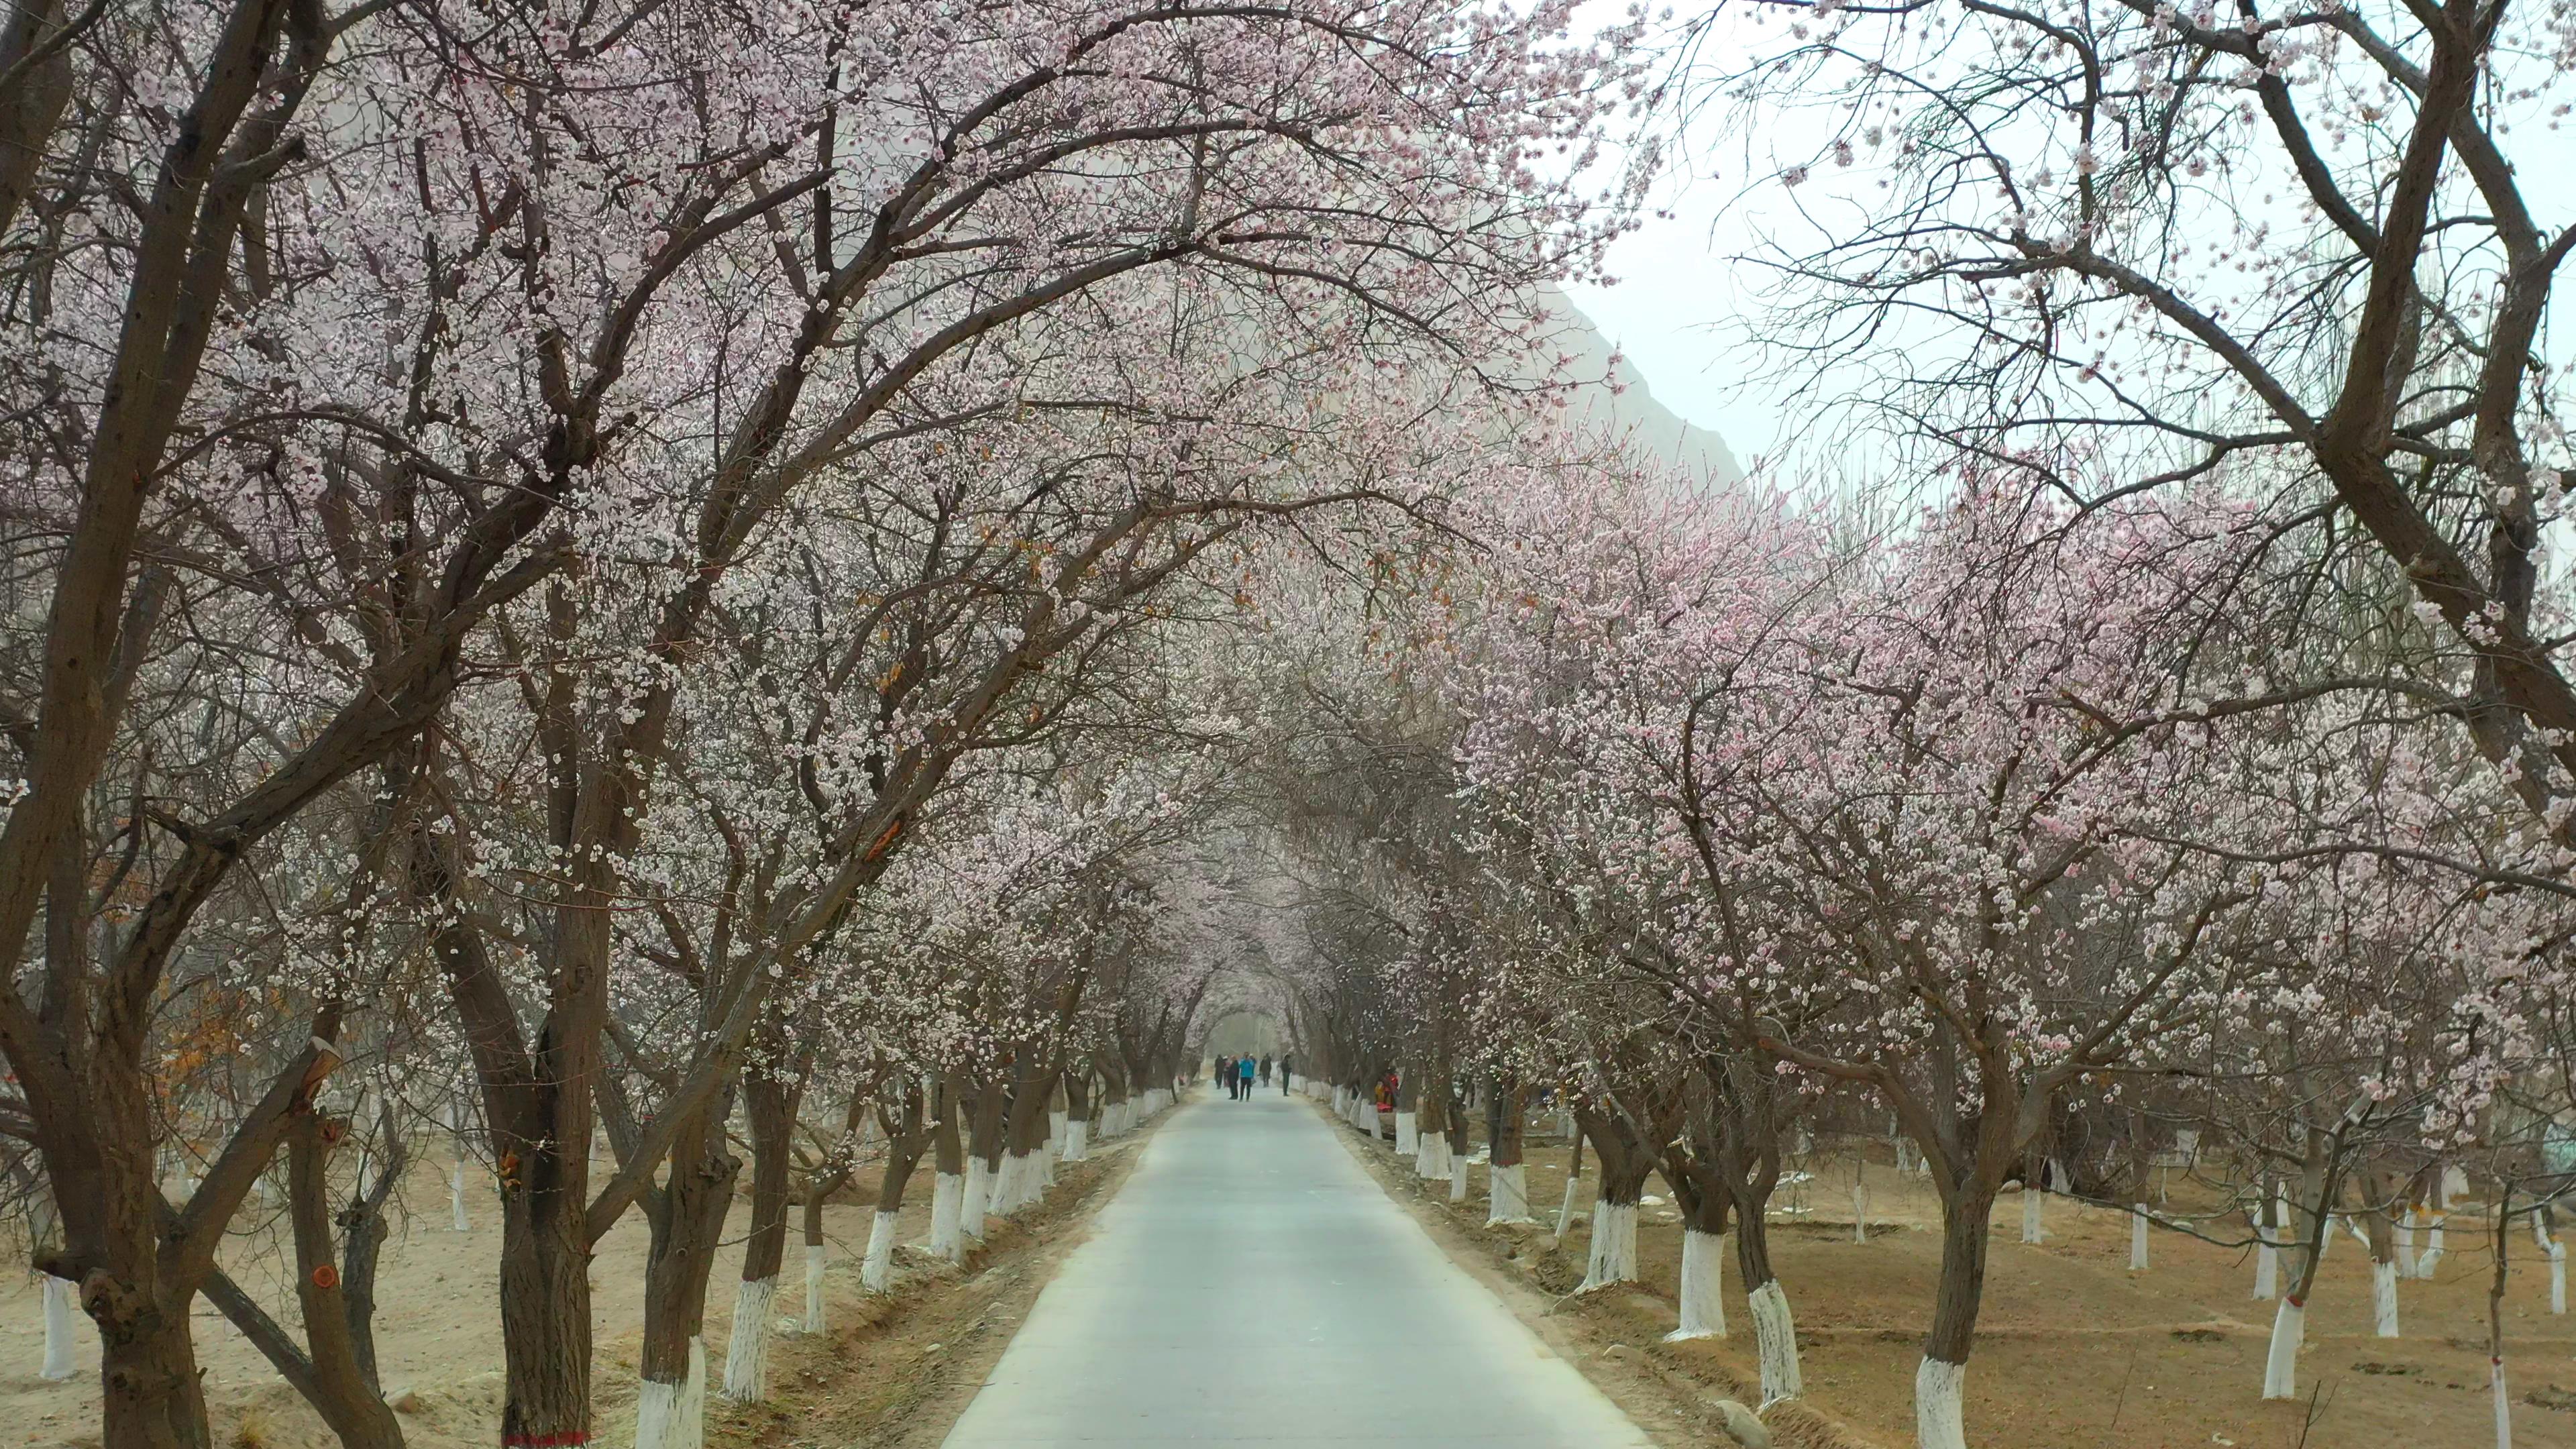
x=1678 y=309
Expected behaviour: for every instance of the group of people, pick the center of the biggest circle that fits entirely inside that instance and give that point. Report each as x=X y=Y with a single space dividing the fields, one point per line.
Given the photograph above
x=1239 y=1074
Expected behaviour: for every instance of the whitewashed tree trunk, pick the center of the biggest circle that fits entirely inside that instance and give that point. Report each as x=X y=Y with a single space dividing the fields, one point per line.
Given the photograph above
x=978 y=1198
x=2406 y=1244
x=1431 y=1157
x=1077 y=1140
x=1703 y=1287
x=2383 y=1299
x=1010 y=1185
x=947 y=1208
x=1408 y=1142
x=1571 y=1211
x=2503 y=1404
x=1613 y=1257
x=674 y=1416
x=1457 y=1178
x=2558 y=1277
x=746 y=1379
x=2432 y=1258
x=1507 y=1195
x=1860 y=1213
x=815 y=1255
x=1940 y=1405
x=876 y=1268
x=60 y=1321
x=2138 y=1238
x=2281 y=1363
x=1775 y=1335
x=2030 y=1231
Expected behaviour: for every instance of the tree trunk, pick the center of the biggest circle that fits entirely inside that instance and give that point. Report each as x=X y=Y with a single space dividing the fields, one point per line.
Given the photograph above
x=1625 y=1165
x=1077 y=1116
x=770 y=1102
x=1431 y=1126
x=947 y=1239
x=1506 y=1180
x=1940 y=1382
x=343 y=1379
x=687 y=1216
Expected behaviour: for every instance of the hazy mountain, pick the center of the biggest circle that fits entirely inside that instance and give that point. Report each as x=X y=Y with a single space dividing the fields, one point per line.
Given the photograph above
x=1622 y=397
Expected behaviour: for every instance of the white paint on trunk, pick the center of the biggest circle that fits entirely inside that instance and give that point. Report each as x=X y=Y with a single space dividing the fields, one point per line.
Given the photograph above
x=59 y=1320
x=1572 y=1209
x=1407 y=1140
x=978 y=1199
x=746 y=1379
x=947 y=1204
x=2503 y=1404
x=815 y=1257
x=2030 y=1232
x=1507 y=1195
x=1860 y=1213
x=1703 y=1287
x=2281 y=1364
x=2383 y=1299
x=1431 y=1156
x=2432 y=1258
x=674 y=1416
x=1457 y=1178
x=876 y=1268
x=2558 y=1277
x=1613 y=1258
x=2267 y=1272
x=1776 y=1336
x=456 y=1197
x=2406 y=1244
x=1940 y=1405
x=1077 y=1140
x=1010 y=1185
x=2138 y=1238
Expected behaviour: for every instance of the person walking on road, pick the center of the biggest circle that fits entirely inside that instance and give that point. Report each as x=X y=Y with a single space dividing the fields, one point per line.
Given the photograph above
x=1225 y=1074
x=1265 y=1071
x=1284 y=1059
x=1245 y=1067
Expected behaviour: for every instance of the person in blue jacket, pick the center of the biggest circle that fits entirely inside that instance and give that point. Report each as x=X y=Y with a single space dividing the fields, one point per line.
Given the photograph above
x=1245 y=1067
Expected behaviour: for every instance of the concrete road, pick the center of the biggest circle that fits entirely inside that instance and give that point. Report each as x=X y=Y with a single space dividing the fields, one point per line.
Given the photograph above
x=1250 y=1285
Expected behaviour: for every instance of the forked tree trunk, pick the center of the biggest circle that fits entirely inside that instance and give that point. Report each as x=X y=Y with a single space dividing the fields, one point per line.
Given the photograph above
x=687 y=1216
x=1625 y=1165
x=907 y=1137
x=1703 y=1198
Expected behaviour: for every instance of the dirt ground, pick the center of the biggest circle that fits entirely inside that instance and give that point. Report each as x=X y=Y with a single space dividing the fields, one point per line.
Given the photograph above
x=892 y=1370
x=2073 y=1351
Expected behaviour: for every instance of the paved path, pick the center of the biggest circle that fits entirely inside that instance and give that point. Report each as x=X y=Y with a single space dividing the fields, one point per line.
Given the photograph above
x=1251 y=1285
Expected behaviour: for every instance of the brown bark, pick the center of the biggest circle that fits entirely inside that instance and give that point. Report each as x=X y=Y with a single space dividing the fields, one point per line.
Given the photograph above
x=908 y=1135
x=687 y=1215
x=946 y=1141
x=1504 y=1114
x=343 y=1372
x=1955 y=1303
x=770 y=1103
